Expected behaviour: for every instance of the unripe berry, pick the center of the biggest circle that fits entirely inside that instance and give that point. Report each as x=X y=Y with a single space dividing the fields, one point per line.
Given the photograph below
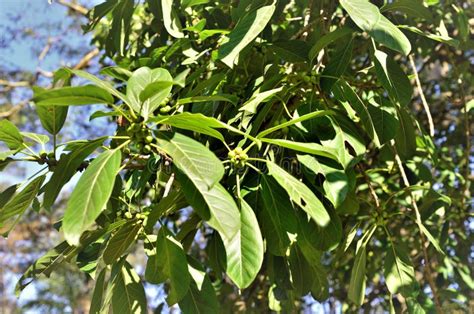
x=149 y=139
x=231 y=154
x=238 y=150
x=147 y=149
x=165 y=109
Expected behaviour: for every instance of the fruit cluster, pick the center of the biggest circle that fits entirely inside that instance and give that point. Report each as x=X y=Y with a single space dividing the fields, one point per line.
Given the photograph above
x=127 y=214
x=238 y=157
x=165 y=108
x=141 y=136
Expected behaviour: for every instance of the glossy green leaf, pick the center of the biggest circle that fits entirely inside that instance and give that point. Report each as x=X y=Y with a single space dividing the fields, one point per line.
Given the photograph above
x=117 y=73
x=98 y=293
x=300 y=194
x=171 y=20
x=336 y=183
x=67 y=166
x=119 y=242
x=301 y=272
x=215 y=205
x=413 y=8
x=38 y=138
x=10 y=135
x=155 y=89
x=445 y=39
x=385 y=121
x=357 y=282
x=128 y=294
x=191 y=157
x=169 y=263
x=368 y=17
x=76 y=95
x=52 y=117
x=392 y=78
x=90 y=195
x=405 y=139
x=338 y=62
x=327 y=39
x=246 y=30
x=200 y=123
x=12 y=211
x=245 y=251
x=398 y=271
x=201 y=296
x=345 y=93
x=121 y=26
x=7 y=194
x=310 y=148
x=140 y=81
x=198 y=99
x=252 y=104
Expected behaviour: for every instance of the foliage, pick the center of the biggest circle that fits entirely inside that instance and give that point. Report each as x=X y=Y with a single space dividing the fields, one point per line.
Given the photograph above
x=281 y=132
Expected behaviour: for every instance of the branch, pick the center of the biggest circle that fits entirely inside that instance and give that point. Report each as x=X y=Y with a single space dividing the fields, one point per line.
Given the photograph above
x=14 y=84
x=429 y=273
x=422 y=95
x=84 y=62
x=74 y=7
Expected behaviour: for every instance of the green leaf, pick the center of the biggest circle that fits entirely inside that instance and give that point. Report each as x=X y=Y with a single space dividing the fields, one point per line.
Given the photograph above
x=102 y=84
x=357 y=282
x=413 y=8
x=117 y=73
x=128 y=294
x=245 y=251
x=155 y=89
x=44 y=265
x=336 y=183
x=52 y=117
x=10 y=135
x=171 y=19
x=140 y=81
x=169 y=263
x=257 y=98
x=200 y=123
x=12 y=211
x=297 y=120
x=38 y=138
x=328 y=39
x=300 y=194
x=201 y=296
x=393 y=79
x=277 y=216
x=310 y=148
x=368 y=17
x=398 y=271
x=405 y=139
x=301 y=272
x=432 y=239
x=215 y=205
x=246 y=30
x=98 y=293
x=345 y=93
x=90 y=195
x=385 y=121
x=172 y=202
x=197 y=99
x=66 y=168
x=191 y=157
x=291 y=50
x=318 y=273
x=77 y=95
x=119 y=34
x=119 y=243
x=442 y=38
x=7 y=194
x=339 y=61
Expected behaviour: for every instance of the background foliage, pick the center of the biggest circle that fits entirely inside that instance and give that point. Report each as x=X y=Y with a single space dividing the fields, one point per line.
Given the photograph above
x=253 y=155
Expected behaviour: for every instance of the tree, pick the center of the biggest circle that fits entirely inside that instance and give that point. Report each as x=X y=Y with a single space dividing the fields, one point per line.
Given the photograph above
x=262 y=151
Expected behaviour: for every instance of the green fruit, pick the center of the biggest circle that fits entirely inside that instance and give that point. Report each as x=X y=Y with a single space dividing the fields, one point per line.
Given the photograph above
x=139 y=146
x=238 y=150
x=43 y=154
x=231 y=154
x=126 y=150
x=128 y=215
x=147 y=149
x=244 y=156
x=165 y=109
x=51 y=155
x=306 y=78
x=149 y=139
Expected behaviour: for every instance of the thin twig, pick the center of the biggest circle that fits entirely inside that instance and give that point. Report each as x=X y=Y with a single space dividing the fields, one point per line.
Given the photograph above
x=86 y=59
x=74 y=7
x=429 y=273
x=14 y=84
x=422 y=95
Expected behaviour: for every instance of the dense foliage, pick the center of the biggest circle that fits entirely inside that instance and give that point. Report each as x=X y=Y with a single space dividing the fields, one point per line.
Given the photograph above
x=263 y=151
